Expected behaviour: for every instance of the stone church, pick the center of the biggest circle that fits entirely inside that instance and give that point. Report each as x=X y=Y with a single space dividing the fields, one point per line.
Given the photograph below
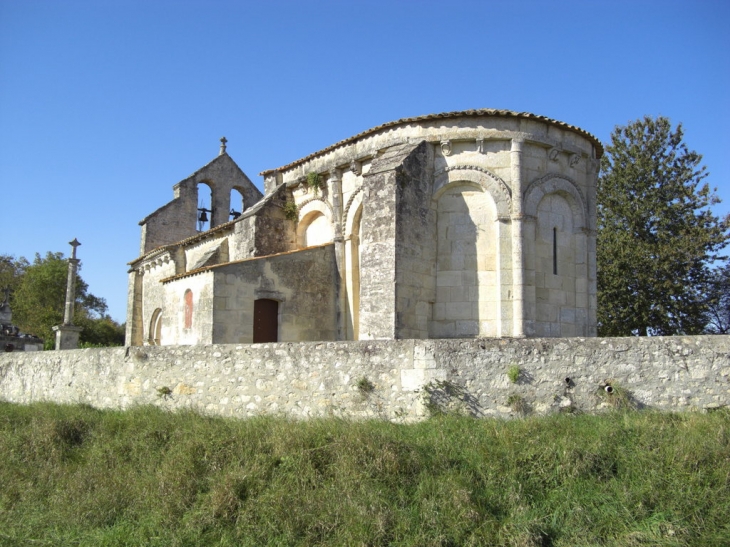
x=468 y=224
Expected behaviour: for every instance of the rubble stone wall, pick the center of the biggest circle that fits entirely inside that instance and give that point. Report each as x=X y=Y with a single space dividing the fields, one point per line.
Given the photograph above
x=390 y=379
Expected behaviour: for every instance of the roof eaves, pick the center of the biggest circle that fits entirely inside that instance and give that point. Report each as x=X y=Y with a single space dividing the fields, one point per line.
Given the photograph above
x=443 y=115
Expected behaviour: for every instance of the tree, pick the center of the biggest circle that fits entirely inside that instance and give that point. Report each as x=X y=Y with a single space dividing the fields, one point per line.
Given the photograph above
x=39 y=297
x=718 y=298
x=11 y=271
x=657 y=237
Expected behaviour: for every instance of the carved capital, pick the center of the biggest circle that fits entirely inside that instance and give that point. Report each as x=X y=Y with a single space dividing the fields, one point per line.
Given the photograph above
x=335 y=174
x=446 y=147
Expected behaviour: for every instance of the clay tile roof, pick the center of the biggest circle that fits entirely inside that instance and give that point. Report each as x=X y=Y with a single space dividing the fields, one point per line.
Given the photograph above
x=446 y=115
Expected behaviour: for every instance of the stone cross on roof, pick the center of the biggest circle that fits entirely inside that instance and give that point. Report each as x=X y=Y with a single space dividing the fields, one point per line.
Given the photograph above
x=223 y=146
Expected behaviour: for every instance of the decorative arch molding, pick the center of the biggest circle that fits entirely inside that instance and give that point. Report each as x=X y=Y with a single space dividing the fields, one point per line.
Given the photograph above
x=488 y=181
x=315 y=204
x=554 y=183
x=348 y=217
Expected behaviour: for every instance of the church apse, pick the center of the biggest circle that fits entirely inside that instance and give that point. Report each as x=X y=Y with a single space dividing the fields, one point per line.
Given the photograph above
x=456 y=225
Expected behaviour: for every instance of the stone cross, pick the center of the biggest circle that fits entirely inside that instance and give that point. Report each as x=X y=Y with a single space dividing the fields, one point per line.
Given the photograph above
x=223 y=146
x=67 y=335
x=73 y=263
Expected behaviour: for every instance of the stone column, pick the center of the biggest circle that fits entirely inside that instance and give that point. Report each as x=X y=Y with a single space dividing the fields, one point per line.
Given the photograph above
x=335 y=184
x=67 y=335
x=134 y=335
x=518 y=284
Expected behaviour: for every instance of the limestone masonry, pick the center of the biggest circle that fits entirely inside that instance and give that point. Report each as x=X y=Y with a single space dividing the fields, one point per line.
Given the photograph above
x=458 y=225
x=311 y=379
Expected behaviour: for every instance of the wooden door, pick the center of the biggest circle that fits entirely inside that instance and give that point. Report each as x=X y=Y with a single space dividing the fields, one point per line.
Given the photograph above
x=265 y=321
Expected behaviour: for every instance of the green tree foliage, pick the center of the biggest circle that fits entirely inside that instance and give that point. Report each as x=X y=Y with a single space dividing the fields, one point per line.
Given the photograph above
x=657 y=237
x=38 y=299
x=718 y=314
x=11 y=270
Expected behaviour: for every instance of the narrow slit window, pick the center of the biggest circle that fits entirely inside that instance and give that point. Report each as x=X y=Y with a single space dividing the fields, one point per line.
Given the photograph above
x=555 y=251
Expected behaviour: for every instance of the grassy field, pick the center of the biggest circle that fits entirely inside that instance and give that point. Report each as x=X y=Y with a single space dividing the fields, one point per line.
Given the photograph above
x=72 y=475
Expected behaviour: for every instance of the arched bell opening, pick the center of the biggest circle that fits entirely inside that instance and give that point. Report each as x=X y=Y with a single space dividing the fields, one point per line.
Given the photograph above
x=205 y=206
x=238 y=204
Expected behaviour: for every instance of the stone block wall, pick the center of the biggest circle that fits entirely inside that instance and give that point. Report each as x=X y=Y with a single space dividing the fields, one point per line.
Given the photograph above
x=303 y=282
x=409 y=376
x=378 y=246
x=175 y=328
x=415 y=244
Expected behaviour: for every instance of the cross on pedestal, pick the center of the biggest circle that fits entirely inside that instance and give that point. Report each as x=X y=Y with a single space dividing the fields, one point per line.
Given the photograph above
x=67 y=335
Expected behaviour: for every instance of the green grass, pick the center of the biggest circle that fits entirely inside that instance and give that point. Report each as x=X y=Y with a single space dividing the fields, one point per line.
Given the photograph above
x=72 y=475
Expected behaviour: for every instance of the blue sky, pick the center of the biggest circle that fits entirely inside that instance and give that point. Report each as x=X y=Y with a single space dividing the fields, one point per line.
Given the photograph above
x=104 y=105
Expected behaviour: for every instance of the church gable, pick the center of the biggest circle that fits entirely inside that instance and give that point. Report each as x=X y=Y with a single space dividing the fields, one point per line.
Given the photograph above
x=215 y=194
